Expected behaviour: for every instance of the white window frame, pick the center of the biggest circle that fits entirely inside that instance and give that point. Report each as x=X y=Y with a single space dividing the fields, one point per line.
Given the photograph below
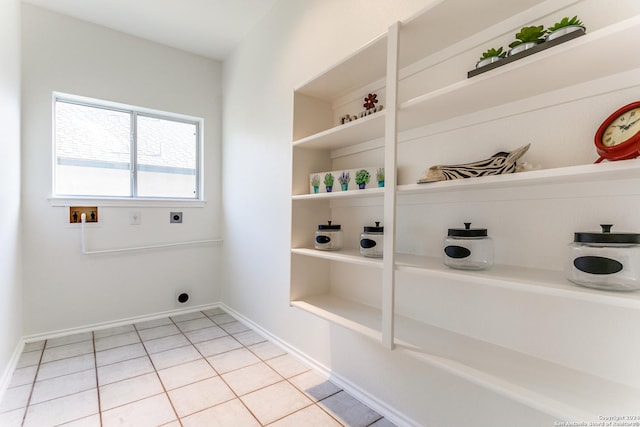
x=134 y=199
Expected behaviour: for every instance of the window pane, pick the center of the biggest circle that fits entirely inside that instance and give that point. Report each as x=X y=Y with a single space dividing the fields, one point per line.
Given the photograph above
x=95 y=143
x=166 y=158
x=92 y=146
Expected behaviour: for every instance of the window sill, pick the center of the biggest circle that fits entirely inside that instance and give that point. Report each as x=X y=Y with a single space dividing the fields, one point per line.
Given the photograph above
x=126 y=202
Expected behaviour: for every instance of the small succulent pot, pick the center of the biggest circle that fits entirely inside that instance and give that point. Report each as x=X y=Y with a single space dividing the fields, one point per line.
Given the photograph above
x=522 y=47
x=315 y=183
x=527 y=38
x=362 y=178
x=344 y=180
x=328 y=182
x=487 y=61
x=380 y=177
x=564 y=30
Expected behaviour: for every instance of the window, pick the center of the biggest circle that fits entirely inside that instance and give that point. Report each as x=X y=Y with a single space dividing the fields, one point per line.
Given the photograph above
x=103 y=149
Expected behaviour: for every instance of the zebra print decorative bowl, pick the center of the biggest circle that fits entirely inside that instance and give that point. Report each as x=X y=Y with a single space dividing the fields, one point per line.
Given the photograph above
x=500 y=163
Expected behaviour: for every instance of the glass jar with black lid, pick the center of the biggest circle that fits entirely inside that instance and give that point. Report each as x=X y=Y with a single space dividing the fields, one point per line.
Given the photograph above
x=468 y=248
x=605 y=260
x=372 y=241
x=328 y=237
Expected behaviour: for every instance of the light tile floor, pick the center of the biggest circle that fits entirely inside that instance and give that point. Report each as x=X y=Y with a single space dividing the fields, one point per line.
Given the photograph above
x=197 y=369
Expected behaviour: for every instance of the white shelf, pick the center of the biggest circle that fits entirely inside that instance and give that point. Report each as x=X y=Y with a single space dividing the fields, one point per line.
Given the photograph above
x=572 y=174
x=552 y=388
x=349 y=256
x=358 y=317
x=370 y=62
x=521 y=279
x=577 y=61
x=350 y=194
x=361 y=130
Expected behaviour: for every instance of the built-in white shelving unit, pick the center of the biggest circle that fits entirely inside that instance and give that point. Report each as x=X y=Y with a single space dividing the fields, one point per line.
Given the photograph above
x=533 y=213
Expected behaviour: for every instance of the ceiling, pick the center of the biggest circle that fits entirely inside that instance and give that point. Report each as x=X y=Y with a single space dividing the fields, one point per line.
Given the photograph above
x=211 y=28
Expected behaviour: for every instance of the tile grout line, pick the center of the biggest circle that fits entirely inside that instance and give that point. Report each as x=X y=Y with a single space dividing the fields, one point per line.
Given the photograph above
x=216 y=371
x=375 y=421
x=33 y=384
x=95 y=367
x=166 y=393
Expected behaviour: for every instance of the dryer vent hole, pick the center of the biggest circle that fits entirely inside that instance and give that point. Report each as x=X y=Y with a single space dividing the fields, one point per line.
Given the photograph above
x=183 y=297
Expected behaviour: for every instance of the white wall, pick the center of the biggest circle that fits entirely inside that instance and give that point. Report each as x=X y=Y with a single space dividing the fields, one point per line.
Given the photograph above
x=64 y=289
x=10 y=280
x=296 y=42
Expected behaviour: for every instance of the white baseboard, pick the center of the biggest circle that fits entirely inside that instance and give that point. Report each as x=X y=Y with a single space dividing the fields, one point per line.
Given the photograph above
x=115 y=323
x=7 y=375
x=363 y=396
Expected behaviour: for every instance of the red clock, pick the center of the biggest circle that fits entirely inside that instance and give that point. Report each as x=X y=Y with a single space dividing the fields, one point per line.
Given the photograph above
x=618 y=137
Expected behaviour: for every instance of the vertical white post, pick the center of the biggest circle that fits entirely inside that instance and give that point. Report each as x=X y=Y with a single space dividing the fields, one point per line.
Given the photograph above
x=390 y=150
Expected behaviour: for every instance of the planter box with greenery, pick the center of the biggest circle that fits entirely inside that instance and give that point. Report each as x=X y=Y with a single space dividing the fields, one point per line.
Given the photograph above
x=349 y=179
x=531 y=40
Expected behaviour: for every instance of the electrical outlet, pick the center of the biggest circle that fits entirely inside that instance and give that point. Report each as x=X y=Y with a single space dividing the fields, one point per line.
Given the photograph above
x=175 y=218
x=135 y=217
x=75 y=214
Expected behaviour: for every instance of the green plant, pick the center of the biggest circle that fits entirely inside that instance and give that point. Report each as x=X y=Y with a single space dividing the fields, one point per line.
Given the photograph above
x=380 y=174
x=315 y=181
x=530 y=34
x=565 y=22
x=328 y=179
x=344 y=178
x=493 y=52
x=362 y=176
